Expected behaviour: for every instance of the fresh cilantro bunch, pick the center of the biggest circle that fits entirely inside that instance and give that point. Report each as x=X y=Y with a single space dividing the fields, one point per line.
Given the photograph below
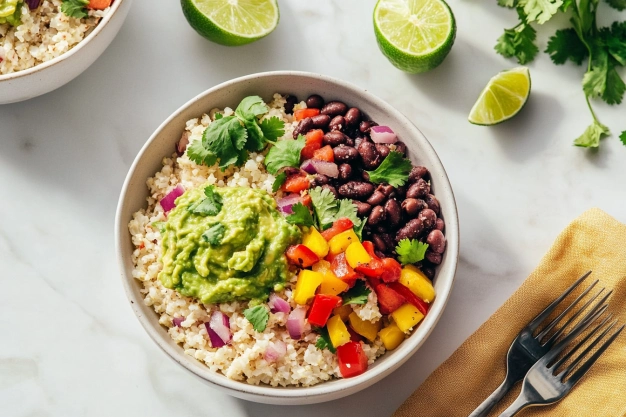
x=229 y=139
x=411 y=251
x=327 y=209
x=604 y=49
x=75 y=8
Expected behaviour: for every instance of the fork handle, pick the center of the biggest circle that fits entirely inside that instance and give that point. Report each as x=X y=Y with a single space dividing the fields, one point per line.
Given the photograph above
x=519 y=403
x=495 y=397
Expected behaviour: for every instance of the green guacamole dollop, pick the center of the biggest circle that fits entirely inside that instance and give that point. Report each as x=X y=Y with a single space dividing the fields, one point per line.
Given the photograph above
x=246 y=264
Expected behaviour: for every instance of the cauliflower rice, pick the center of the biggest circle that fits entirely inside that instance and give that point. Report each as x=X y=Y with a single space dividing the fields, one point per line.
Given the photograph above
x=44 y=34
x=304 y=364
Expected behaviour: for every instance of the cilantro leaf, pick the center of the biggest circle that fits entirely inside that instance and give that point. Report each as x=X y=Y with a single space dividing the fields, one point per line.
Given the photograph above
x=622 y=137
x=214 y=234
x=323 y=341
x=411 y=251
x=258 y=317
x=518 y=42
x=347 y=208
x=210 y=206
x=284 y=153
x=75 y=8
x=301 y=215
x=615 y=87
x=324 y=206
x=593 y=134
x=357 y=294
x=359 y=229
x=507 y=3
x=280 y=180
x=565 y=44
x=247 y=111
x=394 y=170
x=226 y=138
x=540 y=10
x=617 y=4
x=218 y=116
x=198 y=154
x=272 y=128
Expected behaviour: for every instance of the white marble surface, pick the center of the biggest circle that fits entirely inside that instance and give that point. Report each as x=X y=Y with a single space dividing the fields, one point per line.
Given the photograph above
x=70 y=345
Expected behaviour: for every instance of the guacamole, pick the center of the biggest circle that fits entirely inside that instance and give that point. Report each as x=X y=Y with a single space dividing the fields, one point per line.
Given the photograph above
x=225 y=244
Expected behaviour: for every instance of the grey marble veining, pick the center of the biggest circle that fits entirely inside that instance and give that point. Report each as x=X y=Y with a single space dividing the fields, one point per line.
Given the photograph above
x=70 y=346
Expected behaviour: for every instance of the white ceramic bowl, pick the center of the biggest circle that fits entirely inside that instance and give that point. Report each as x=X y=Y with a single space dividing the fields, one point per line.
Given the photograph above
x=161 y=144
x=50 y=75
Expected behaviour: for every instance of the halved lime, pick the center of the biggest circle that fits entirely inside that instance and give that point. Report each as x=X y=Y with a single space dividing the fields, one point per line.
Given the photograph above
x=503 y=97
x=415 y=35
x=232 y=22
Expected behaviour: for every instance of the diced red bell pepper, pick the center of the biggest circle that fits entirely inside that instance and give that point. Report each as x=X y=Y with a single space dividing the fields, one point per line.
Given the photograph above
x=324 y=154
x=373 y=281
x=301 y=256
x=354 y=336
x=314 y=139
x=296 y=183
x=420 y=304
x=391 y=270
x=343 y=270
x=340 y=225
x=304 y=113
x=369 y=247
x=388 y=299
x=372 y=269
x=352 y=360
x=322 y=308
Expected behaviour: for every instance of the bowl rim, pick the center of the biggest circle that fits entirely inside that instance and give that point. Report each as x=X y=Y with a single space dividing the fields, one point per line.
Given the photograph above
x=44 y=65
x=316 y=392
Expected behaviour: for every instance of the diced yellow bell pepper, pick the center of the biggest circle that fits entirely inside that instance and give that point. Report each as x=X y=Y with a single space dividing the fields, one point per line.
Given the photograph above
x=365 y=328
x=418 y=283
x=332 y=285
x=308 y=281
x=341 y=242
x=356 y=254
x=321 y=266
x=407 y=316
x=391 y=336
x=314 y=241
x=337 y=331
x=343 y=312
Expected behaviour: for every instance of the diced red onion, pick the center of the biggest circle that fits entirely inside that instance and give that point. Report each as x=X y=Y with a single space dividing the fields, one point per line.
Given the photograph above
x=216 y=342
x=308 y=167
x=295 y=322
x=219 y=329
x=275 y=351
x=33 y=4
x=329 y=169
x=285 y=204
x=169 y=201
x=382 y=134
x=178 y=321
x=278 y=305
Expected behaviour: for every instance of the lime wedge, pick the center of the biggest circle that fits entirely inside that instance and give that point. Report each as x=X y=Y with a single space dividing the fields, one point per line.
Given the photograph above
x=415 y=35
x=503 y=97
x=232 y=22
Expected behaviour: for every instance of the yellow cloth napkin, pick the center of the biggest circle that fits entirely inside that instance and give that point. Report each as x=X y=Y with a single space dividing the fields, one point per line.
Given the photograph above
x=594 y=241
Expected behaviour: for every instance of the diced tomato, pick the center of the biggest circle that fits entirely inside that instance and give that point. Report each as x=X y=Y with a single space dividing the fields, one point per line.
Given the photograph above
x=420 y=304
x=342 y=270
x=301 y=256
x=373 y=281
x=372 y=269
x=352 y=360
x=324 y=154
x=304 y=113
x=369 y=247
x=322 y=307
x=388 y=299
x=391 y=270
x=340 y=225
x=354 y=336
x=306 y=200
x=296 y=183
x=99 y=4
x=313 y=142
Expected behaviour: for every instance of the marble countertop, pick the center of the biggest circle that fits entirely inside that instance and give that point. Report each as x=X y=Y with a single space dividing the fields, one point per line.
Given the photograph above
x=70 y=344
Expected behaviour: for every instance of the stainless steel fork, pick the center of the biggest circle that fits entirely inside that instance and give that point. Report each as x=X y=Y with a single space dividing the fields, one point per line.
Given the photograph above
x=527 y=349
x=542 y=387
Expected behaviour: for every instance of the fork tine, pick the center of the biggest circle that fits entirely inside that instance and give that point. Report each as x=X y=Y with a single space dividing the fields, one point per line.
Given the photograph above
x=554 y=322
x=576 y=376
x=582 y=342
x=598 y=305
x=534 y=324
x=589 y=348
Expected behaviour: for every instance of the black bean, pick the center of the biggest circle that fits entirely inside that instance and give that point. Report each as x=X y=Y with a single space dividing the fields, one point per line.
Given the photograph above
x=291 y=171
x=412 y=206
x=345 y=153
x=332 y=189
x=345 y=171
x=337 y=123
x=315 y=101
x=334 y=108
x=433 y=257
x=365 y=126
x=433 y=203
x=365 y=175
x=353 y=116
x=389 y=241
x=320 y=121
x=382 y=228
x=369 y=155
x=362 y=209
x=376 y=216
x=417 y=173
x=411 y=230
x=320 y=179
x=400 y=192
x=356 y=190
x=377 y=198
x=385 y=189
x=418 y=189
x=181 y=145
x=436 y=241
x=428 y=218
x=291 y=101
x=440 y=225
x=334 y=138
x=383 y=150
x=429 y=271
x=400 y=147
x=392 y=212
x=379 y=243
x=303 y=127
x=350 y=141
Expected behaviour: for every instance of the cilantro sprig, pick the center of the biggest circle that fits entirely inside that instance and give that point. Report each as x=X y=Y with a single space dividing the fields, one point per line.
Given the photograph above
x=75 y=8
x=258 y=317
x=394 y=170
x=327 y=209
x=300 y=216
x=411 y=251
x=323 y=341
x=211 y=205
x=215 y=234
x=284 y=153
x=357 y=294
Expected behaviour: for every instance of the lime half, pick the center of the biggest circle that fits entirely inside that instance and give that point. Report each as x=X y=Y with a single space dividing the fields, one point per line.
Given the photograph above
x=503 y=97
x=232 y=22
x=415 y=35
